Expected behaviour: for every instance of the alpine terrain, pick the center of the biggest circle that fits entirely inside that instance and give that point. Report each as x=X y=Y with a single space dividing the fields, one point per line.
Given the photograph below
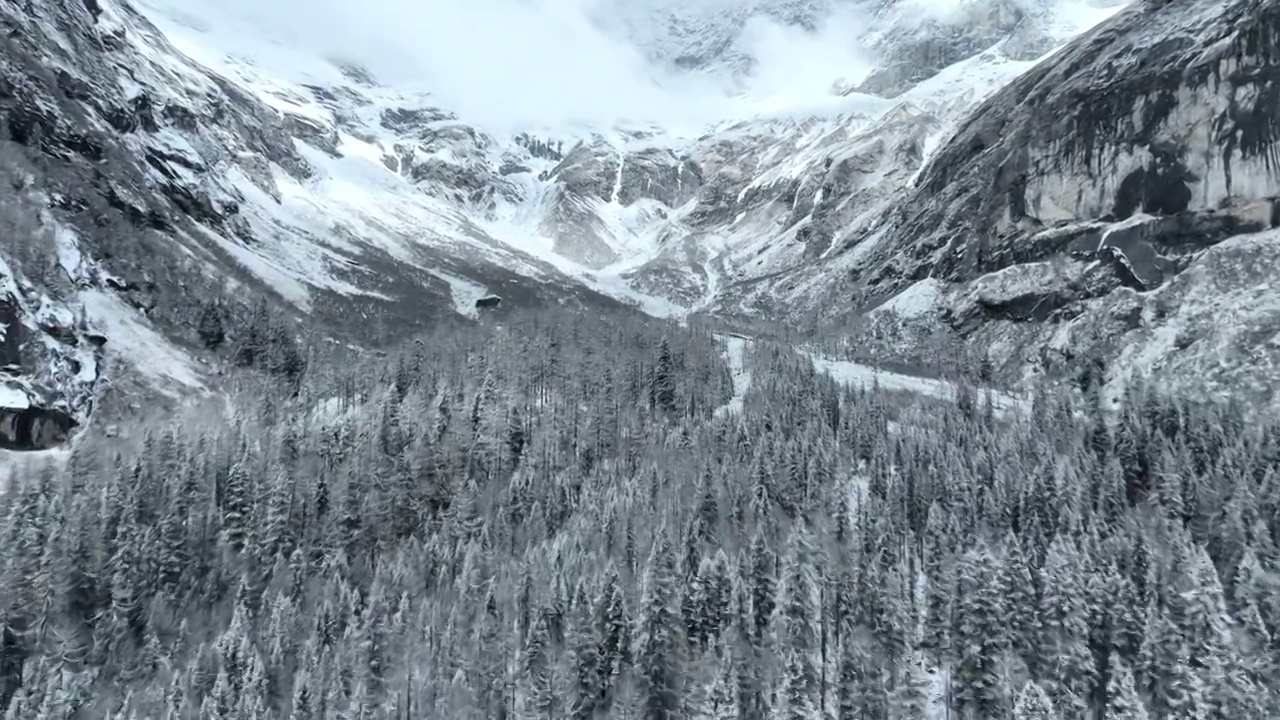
x=640 y=359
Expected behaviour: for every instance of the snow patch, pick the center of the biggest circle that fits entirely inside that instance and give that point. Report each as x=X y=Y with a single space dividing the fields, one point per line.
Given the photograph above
x=1134 y=220
x=917 y=300
x=134 y=342
x=28 y=462
x=465 y=293
x=855 y=374
x=13 y=398
x=735 y=355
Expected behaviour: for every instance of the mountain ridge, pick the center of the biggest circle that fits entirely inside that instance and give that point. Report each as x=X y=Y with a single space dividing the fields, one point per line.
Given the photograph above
x=373 y=210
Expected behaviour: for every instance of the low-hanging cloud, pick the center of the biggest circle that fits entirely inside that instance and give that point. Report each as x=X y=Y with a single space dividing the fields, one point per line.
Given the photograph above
x=794 y=67
x=545 y=62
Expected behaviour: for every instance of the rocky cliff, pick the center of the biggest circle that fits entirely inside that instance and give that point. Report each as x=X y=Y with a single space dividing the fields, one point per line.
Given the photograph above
x=147 y=194
x=1114 y=201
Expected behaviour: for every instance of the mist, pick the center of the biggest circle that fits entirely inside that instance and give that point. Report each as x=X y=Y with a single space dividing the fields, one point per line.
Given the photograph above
x=545 y=62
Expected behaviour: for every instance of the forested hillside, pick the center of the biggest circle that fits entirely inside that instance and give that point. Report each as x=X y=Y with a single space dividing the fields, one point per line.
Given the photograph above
x=564 y=518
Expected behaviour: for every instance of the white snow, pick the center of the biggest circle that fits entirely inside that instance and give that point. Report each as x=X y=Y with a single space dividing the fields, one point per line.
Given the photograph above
x=465 y=292
x=939 y=679
x=790 y=107
x=1134 y=220
x=13 y=398
x=1073 y=17
x=68 y=249
x=133 y=341
x=918 y=300
x=856 y=374
x=865 y=376
x=28 y=462
x=617 y=180
x=735 y=354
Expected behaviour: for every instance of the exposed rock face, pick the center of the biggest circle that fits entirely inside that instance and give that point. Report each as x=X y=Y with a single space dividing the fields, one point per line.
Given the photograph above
x=1113 y=126
x=1103 y=196
x=658 y=174
x=10 y=334
x=1077 y=212
x=50 y=366
x=34 y=428
x=599 y=170
x=446 y=158
x=915 y=51
x=170 y=186
x=645 y=180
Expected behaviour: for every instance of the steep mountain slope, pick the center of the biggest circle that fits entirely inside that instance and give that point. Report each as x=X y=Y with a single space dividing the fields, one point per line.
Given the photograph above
x=167 y=191
x=1114 y=202
x=187 y=163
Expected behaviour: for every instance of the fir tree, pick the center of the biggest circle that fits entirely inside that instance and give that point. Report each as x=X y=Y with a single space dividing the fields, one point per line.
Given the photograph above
x=658 y=661
x=1033 y=704
x=1123 y=702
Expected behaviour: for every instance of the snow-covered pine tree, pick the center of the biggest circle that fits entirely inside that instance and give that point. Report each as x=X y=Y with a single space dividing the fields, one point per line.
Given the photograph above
x=658 y=642
x=1123 y=702
x=797 y=613
x=1033 y=703
x=584 y=660
x=980 y=636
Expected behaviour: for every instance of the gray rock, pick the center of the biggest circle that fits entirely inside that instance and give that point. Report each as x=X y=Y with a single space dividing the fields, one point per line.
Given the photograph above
x=1145 y=150
x=588 y=170
x=34 y=428
x=912 y=52
x=314 y=132
x=658 y=174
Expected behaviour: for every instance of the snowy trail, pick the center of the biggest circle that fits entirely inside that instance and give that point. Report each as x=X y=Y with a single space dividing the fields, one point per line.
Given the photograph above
x=856 y=374
x=735 y=355
x=851 y=373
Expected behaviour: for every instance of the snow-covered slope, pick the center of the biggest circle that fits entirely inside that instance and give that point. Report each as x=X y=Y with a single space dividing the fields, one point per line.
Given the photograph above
x=640 y=210
x=634 y=209
x=701 y=167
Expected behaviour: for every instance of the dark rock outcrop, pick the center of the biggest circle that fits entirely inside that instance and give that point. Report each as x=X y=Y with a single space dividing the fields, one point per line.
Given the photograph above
x=10 y=333
x=34 y=428
x=1110 y=126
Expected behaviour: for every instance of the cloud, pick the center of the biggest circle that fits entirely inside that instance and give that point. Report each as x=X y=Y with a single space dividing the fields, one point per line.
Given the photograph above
x=542 y=62
x=792 y=66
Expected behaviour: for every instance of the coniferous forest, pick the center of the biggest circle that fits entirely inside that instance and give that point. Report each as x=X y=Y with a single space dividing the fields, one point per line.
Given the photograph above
x=564 y=518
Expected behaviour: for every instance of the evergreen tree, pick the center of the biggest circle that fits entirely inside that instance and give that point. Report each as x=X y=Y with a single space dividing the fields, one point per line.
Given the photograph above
x=542 y=695
x=460 y=528
x=1123 y=702
x=584 y=658
x=981 y=689
x=658 y=661
x=797 y=609
x=1066 y=660
x=1033 y=704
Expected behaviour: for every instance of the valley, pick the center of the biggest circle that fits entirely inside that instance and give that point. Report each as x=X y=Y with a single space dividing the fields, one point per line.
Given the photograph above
x=639 y=360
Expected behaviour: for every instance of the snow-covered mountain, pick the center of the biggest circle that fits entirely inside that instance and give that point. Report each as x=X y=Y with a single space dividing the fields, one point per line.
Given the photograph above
x=377 y=169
